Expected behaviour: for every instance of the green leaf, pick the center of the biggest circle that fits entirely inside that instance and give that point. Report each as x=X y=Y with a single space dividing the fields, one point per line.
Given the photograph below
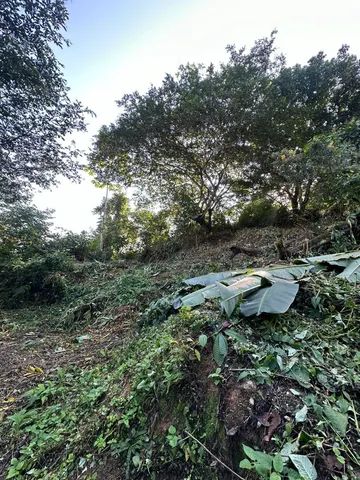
x=300 y=374
x=245 y=464
x=292 y=272
x=343 y=404
x=293 y=474
x=210 y=278
x=232 y=294
x=275 y=476
x=301 y=335
x=278 y=463
x=288 y=448
x=13 y=472
x=197 y=298
x=203 y=340
x=136 y=460
x=303 y=465
x=172 y=430
x=260 y=458
x=352 y=271
x=274 y=299
x=300 y=415
x=338 y=421
x=249 y=452
x=334 y=259
x=220 y=349
x=235 y=335
x=173 y=441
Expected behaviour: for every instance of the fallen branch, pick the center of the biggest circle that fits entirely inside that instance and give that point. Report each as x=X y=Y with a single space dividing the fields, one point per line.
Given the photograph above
x=252 y=252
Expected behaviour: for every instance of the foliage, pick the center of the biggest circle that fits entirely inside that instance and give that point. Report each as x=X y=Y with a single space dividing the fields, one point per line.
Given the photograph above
x=220 y=349
x=24 y=231
x=138 y=402
x=267 y=466
x=58 y=413
x=208 y=136
x=82 y=246
x=158 y=311
x=115 y=225
x=313 y=173
x=262 y=213
x=265 y=291
x=153 y=229
x=182 y=142
x=37 y=280
x=36 y=113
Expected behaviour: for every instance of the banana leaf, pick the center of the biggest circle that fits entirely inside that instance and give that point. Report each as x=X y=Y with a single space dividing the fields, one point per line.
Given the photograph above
x=274 y=299
x=211 y=278
x=232 y=286
x=199 y=296
x=292 y=272
x=333 y=259
x=232 y=294
x=352 y=271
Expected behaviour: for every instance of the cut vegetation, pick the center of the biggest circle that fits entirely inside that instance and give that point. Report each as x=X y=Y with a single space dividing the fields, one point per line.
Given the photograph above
x=181 y=393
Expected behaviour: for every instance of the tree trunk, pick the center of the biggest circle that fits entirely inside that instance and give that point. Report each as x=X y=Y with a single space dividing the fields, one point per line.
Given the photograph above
x=103 y=220
x=209 y=224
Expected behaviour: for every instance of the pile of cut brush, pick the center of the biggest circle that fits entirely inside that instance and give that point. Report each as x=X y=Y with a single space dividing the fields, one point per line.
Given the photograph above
x=270 y=290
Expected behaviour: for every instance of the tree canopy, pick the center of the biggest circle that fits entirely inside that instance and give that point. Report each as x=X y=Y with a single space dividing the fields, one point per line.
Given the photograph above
x=207 y=136
x=36 y=113
x=24 y=231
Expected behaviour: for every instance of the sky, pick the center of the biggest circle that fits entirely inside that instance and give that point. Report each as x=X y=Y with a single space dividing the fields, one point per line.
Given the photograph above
x=119 y=46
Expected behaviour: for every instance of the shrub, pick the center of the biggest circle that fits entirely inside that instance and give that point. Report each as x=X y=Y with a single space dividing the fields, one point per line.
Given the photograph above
x=82 y=246
x=39 y=280
x=262 y=213
x=258 y=213
x=283 y=217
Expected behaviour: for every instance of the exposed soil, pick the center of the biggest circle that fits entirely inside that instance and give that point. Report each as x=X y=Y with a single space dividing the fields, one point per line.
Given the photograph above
x=215 y=252
x=27 y=358
x=238 y=404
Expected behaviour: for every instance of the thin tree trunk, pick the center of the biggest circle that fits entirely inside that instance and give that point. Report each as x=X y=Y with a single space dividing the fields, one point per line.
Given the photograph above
x=209 y=222
x=103 y=220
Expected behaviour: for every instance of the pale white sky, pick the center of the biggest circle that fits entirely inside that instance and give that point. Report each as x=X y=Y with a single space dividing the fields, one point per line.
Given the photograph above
x=123 y=45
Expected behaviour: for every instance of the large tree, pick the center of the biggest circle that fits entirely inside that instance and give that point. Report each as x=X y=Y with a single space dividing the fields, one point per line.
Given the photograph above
x=185 y=141
x=24 y=231
x=207 y=135
x=36 y=113
x=307 y=107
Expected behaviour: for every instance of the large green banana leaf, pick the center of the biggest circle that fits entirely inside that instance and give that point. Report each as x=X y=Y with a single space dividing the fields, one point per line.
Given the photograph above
x=339 y=259
x=232 y=294
x=352 y=271
x=199 y=296
x=233 y=286
x=211 y=278
x=274 y=299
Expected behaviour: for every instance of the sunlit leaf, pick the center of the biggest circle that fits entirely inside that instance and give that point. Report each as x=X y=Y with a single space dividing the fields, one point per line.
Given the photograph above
x=303 y=465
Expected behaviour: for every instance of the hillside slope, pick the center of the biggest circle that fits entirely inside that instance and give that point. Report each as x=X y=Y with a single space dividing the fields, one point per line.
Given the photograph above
x=115 y=384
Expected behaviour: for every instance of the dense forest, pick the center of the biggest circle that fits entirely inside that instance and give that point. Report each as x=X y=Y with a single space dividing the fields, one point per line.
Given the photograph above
x=244 y=178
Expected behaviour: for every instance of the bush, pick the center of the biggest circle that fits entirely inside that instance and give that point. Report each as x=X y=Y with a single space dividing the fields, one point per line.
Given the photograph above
x=82 y=246
x=262 y=213
x=39 y=280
